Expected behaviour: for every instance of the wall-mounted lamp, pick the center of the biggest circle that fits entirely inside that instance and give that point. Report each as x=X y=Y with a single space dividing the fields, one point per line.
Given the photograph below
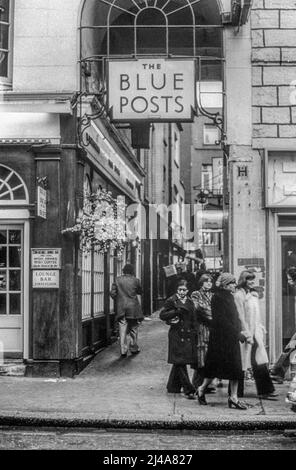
x=202 y=196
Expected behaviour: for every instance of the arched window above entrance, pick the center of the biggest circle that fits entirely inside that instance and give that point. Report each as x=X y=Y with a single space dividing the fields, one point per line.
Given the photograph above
x=142 y=27
x=12 y=188
x=133 y=29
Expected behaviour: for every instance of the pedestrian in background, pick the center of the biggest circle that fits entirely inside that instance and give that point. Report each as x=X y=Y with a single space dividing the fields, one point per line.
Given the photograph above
x=174 y=280
x=202 y=301
x=125 y=291
x=178 y=311
x=281 y=366
x=223 y=359
x=190 y=278
x=253 y=351
x=200 y=265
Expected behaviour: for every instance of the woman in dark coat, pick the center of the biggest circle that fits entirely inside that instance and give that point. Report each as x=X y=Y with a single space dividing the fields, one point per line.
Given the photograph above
x=179 y=312
x=224 y=358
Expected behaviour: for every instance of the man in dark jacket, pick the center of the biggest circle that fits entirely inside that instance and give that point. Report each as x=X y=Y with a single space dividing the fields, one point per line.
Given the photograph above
x=190 y=278
x=124 y=291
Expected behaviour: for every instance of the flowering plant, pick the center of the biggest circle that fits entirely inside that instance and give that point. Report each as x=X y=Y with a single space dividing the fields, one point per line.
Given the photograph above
x=102 y=223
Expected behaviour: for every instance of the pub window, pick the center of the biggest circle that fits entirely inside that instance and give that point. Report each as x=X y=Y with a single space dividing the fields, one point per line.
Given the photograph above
x=287 y=220
x=12 y=188
x=5 y=39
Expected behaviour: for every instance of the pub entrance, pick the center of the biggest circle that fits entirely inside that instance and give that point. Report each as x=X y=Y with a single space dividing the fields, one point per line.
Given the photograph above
x=287 y=285
x=14 y=265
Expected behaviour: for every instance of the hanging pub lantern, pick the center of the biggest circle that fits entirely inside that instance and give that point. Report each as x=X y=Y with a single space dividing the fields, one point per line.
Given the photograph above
x=202 y=196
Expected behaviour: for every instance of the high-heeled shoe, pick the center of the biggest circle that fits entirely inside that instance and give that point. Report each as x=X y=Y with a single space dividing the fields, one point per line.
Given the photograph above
x=237 y=404
x=201 y=398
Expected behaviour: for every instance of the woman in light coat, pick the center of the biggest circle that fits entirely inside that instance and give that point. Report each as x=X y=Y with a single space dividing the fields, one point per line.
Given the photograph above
x=253 y=351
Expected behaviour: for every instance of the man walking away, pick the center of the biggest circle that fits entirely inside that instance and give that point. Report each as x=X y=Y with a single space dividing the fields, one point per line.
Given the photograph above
x=124 y=291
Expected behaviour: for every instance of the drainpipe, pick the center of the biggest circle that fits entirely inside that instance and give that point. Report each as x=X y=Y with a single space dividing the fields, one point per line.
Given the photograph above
x=170 y=194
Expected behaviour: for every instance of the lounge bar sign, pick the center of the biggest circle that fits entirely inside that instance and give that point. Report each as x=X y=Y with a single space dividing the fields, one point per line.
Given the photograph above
x=46 y=279
x=46 y=263
x=151 y=90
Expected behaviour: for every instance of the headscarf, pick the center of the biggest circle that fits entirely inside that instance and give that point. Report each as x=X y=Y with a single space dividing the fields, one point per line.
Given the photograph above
x=224 y=279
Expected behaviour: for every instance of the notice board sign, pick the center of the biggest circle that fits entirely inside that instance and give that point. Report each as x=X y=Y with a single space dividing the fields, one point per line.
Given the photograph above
x=41 y=202
x=46 y=279
x=170 y=270
x=46 y=258
x=152 y=90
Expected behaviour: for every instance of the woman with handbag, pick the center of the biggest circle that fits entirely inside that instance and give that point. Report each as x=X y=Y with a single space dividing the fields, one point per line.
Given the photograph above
x=223 y=359
x=253 y=351
x=179 y=312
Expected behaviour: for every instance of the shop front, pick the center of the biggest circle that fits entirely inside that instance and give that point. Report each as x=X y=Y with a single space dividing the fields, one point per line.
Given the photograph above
x=14 y=264
x=105 y=170
x=281 y=215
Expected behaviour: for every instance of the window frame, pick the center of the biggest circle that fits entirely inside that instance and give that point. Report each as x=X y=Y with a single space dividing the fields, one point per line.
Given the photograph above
x=194 y=26
x=6 y=81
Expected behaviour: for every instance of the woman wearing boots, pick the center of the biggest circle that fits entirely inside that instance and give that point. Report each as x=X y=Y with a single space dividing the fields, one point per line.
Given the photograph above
x=253 y=351
x=178 y=312
x=224 y=359
x=202 y=302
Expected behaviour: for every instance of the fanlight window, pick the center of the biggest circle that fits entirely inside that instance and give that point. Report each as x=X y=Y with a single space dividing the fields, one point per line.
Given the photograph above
x=12 y=188
x=139 y=27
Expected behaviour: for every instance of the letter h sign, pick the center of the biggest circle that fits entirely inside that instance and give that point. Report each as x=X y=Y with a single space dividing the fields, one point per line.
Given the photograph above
x=242 y=172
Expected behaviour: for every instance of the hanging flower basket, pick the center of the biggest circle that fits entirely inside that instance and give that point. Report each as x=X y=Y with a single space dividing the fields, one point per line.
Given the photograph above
x=102 y=224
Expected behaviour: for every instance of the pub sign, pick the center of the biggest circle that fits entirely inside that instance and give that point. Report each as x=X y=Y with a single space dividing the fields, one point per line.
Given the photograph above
x=151 y=90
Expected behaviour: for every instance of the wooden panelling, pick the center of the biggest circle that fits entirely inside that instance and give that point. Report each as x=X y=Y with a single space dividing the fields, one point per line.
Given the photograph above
x=46 y=324
x=68 y=293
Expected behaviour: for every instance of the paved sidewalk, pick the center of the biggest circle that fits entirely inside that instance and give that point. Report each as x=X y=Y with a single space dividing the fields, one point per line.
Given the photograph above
x=131 y=393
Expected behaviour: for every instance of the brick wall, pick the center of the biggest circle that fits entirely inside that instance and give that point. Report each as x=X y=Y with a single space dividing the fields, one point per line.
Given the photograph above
x=273 y=70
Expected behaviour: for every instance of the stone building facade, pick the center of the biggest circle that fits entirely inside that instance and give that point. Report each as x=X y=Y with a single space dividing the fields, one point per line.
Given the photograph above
x=46 y=70
x=262 y=167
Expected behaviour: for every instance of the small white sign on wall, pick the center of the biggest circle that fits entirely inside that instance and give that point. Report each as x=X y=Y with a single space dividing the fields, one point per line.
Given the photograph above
x=46 y=258
x=46 y=279
x=41 y=202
